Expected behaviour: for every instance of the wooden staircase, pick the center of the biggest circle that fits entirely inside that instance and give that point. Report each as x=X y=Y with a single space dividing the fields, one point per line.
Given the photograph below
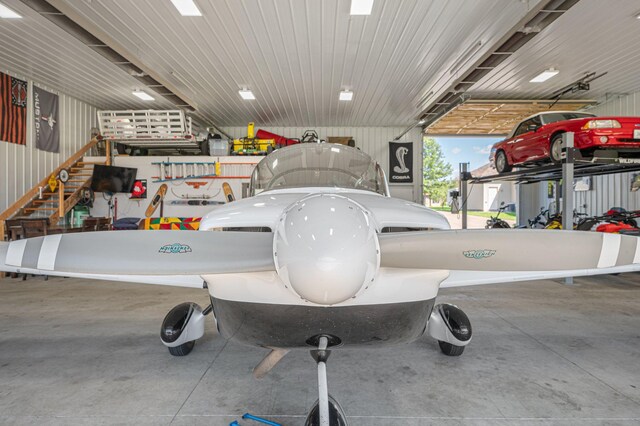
x=53 y=205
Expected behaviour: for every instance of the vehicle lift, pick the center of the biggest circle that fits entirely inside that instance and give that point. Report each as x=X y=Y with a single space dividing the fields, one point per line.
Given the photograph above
x=574 y=165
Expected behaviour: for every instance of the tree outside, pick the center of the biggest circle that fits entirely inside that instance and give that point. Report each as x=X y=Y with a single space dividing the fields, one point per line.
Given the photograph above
x=436 y=172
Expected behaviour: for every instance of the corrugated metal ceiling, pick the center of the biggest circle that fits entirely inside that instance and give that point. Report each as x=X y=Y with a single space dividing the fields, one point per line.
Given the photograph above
x=296 y=55
x=34 y=47
x=593 y=36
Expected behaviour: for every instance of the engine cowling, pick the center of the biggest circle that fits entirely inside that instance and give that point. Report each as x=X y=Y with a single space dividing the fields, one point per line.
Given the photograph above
x=326 y=248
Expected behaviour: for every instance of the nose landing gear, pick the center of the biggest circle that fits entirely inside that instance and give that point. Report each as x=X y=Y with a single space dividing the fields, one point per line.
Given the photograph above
x=326 y=411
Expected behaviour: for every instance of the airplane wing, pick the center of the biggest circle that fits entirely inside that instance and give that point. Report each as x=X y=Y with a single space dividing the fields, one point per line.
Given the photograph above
x=476 y=257
x=160 y=257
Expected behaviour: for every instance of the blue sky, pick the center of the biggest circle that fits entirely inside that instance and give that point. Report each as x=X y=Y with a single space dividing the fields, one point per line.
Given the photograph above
x=474 y=150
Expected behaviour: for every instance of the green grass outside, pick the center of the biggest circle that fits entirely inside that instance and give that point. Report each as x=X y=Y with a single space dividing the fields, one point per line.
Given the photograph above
x=503 y=215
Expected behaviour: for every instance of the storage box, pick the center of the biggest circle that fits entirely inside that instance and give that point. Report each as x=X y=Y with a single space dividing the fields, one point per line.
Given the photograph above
x=218 y=147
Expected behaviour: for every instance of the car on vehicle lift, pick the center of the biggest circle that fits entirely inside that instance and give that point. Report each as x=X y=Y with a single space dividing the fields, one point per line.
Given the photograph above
x=538 y=138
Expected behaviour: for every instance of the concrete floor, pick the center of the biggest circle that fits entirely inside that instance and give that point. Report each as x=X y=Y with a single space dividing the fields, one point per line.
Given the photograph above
x=88 y=353
x=473 y=222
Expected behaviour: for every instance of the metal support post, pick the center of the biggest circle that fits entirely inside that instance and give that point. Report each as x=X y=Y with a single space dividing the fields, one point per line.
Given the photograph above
x=323 y=389
x=567 y=186
x=463 y=192
x=558 y=197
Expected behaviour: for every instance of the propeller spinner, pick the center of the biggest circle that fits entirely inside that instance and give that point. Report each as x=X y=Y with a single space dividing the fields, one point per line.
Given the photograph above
x=326 y=249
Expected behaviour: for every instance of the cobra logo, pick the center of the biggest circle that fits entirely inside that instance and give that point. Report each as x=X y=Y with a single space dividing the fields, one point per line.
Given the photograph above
x=478 y=254
x=175 y=248
x=400 y=154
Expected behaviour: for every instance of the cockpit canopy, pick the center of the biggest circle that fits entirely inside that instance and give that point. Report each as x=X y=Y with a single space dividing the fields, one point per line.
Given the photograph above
x=318 y=165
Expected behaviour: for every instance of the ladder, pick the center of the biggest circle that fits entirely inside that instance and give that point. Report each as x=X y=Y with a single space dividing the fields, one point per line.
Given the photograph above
x=180 y=170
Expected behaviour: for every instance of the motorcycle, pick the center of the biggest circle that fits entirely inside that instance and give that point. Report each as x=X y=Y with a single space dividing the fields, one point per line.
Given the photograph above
x=495 y=222
x=540 y=221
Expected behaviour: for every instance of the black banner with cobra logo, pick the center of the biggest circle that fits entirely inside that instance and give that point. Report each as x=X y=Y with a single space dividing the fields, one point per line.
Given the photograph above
x=45 y=120
x=400 y=162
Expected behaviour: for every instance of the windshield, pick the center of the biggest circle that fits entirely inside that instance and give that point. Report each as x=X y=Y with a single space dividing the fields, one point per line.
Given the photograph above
x=318 y=165
x=552 y=117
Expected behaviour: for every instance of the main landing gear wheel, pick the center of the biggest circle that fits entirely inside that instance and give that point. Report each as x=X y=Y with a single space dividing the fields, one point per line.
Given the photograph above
x=183 y=349
x=449 y=349
x=182 y=326
x=502 y=164
x=555 y=149
x=451 y=327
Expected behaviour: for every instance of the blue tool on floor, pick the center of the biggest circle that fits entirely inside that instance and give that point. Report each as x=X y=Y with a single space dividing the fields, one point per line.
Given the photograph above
x=234 y=423
x=260 y=420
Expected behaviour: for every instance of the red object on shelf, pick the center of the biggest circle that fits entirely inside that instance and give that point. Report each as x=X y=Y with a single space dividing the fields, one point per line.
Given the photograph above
x=280 y=140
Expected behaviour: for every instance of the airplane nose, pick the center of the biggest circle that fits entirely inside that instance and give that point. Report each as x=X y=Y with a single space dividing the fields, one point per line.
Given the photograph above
x=326 y=248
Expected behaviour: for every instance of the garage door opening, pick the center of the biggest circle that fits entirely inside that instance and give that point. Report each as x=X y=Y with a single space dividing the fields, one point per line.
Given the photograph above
x=442 y=156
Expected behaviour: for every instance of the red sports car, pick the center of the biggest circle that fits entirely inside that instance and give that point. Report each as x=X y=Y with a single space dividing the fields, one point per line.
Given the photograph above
x=539 y=138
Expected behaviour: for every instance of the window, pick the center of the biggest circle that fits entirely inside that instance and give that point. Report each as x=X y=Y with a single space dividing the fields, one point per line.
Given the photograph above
x=524 y=126
x=561 y=116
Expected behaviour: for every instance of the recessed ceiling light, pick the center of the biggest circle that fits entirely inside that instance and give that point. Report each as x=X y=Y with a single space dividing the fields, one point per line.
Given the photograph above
x=143 y=95
x=7 y=13
x=187 y=7
x=246 y=94
x=544 y=75
x=346 y=95
x=361 y=7
x=638 y=16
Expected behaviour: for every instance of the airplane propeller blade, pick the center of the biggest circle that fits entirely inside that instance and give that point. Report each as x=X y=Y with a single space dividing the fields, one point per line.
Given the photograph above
x=148 y=253
x=509 y=250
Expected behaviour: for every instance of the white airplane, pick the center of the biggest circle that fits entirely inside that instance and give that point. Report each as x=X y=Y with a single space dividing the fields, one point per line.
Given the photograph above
x=320 y=256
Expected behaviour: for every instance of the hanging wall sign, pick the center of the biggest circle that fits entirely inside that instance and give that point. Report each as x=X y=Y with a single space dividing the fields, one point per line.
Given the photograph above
x=13 y=110
x=45 y=120
x=400 y=162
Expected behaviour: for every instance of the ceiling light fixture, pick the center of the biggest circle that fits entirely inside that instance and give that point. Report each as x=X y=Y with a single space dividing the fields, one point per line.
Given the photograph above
x=421 y=122
x=361 y=7
x=246 y=94
x=187 y=7
x=7 y=13
x=346 y=95
x=638 y=16
x=544 y=75
x=143 y=95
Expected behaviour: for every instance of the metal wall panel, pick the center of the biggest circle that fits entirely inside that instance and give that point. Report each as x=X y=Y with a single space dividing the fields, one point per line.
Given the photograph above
x=372 y=140
x=22 y=167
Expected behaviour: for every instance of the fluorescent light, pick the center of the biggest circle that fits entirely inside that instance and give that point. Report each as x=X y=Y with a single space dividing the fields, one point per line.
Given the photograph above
x=7 y=13
x=346 y=95
x=143 y=95
x=186 y=7
x=246 y=94
x=544 y=76
x=361 y=7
